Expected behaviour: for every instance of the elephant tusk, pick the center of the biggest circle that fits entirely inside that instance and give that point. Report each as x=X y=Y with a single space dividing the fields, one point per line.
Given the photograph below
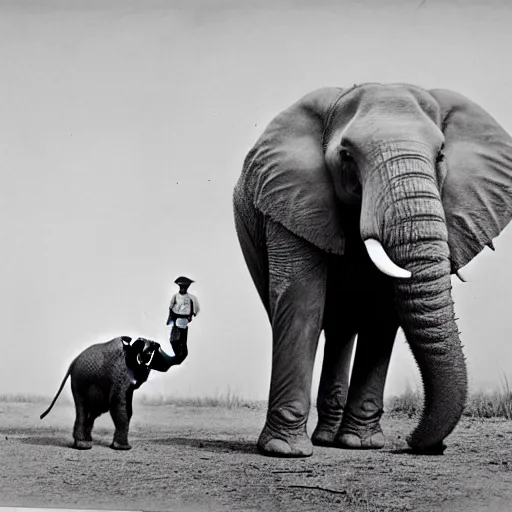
x=382 y=261
x=461 y=276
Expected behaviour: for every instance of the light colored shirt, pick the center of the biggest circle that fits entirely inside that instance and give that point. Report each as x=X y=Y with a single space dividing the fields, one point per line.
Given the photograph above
x=186 y=304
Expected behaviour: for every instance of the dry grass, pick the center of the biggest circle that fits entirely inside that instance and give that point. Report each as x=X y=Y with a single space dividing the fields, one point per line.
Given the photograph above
x=495 y=403
x=31 y=399
x=227 y=400
x=410 y=403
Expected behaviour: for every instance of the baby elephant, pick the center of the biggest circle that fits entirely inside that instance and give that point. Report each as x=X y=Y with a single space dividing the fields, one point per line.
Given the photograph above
x=103 y=378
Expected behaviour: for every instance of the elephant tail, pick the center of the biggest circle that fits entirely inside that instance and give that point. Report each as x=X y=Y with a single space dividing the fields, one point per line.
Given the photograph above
x=58 y=393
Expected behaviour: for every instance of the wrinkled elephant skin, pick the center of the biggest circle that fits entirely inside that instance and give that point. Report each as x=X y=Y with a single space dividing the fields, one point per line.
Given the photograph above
x=103 y=379
x=353 y=210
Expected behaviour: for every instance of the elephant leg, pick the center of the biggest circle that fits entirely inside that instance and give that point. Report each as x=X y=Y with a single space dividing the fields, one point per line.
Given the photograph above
x=121 y=412
x=334 y=382
x=297 y=280
x=80 y=437
x=88 y=426
x=360 y=428
x=93 y=412
x=340 y=327
x=250 y=229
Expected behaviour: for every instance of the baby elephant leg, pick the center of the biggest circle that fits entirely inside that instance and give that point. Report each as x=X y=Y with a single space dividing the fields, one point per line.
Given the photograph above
x=121 y=412
x=89 y=424
x=82 y=441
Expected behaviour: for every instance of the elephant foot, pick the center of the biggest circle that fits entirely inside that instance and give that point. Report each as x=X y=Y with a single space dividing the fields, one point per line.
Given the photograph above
x=323 y=437
x=118 y=446
x=280 y=444
x=360 y=434
x=327 y=429
x=373 y=441
x=82 y=445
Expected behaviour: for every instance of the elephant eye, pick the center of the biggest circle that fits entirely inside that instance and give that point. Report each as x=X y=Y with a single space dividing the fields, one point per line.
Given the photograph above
x=345 y=156
x=347 y=185
x=440 y=155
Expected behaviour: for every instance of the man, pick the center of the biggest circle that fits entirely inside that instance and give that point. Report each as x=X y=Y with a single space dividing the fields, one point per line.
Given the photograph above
x=182 y=308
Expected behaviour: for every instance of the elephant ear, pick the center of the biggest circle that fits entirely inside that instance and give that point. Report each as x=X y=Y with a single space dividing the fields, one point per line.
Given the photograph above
x=126 y=341
x=477 y=190
x=286 y=177
x=138 y=345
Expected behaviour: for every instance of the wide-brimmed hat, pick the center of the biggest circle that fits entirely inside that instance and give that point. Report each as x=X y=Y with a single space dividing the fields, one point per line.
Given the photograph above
x=182 y=280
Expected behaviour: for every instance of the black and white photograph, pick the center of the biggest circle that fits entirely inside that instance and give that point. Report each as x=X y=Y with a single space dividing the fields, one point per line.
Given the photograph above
x=256 y=255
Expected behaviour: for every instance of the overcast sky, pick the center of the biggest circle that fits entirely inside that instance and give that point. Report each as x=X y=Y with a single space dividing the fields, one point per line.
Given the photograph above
x=122 y=133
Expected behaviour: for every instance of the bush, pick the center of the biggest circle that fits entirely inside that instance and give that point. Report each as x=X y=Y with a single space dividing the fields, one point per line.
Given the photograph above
x=228 y=400
x=495 y=403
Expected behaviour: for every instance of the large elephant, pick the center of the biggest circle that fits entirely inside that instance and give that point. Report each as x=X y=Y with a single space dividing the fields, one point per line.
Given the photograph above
x=415 y=181
x=103 y=378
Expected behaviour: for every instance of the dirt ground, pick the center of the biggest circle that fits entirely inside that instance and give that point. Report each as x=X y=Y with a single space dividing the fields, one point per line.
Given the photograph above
x=201 y=458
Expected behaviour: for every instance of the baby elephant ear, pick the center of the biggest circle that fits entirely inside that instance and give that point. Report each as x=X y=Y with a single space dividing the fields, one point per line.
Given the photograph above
x=126 y=340
x=477 y=191
x=286 y=177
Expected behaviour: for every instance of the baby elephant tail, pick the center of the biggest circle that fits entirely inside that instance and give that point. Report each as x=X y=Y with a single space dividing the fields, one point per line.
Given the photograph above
x=58 y=393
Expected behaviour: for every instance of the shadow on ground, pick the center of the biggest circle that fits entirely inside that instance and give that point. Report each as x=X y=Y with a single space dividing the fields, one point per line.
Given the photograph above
x=215 y=445
x=61 y=441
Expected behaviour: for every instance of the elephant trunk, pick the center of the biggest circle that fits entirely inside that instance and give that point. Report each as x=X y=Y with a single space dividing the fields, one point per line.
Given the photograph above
x=427 y=318
x=403 y=210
